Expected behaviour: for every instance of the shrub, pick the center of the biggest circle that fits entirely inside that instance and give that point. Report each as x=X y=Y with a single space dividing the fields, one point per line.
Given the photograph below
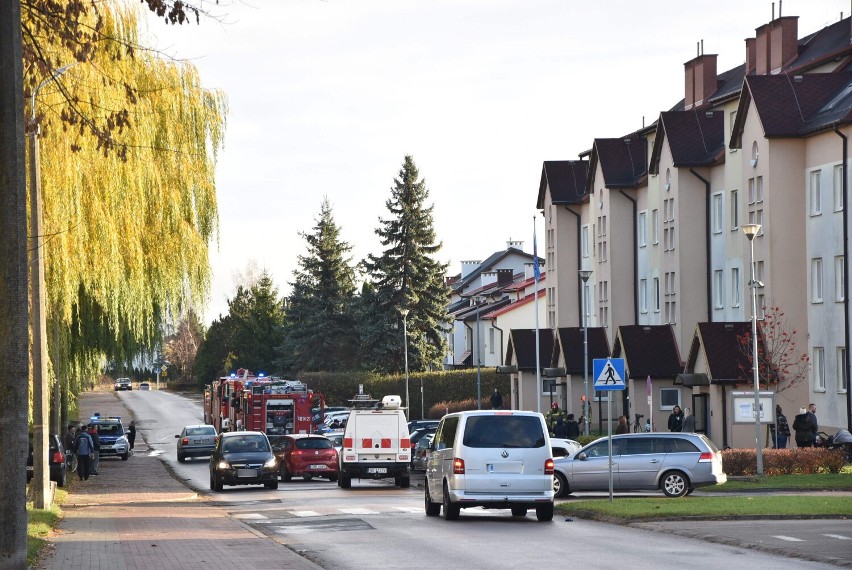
x=803 y=461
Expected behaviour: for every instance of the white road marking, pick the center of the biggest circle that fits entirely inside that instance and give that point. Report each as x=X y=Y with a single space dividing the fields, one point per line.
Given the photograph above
x=410 y=509
x=305 y=513
x=359 y=511
x=788 y=538
x=249 y=516
x=838 y=536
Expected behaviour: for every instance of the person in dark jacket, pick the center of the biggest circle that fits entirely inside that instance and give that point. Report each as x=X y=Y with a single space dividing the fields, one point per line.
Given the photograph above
x=496 y=400
x=83 y=447
x=572 y=428
x=131 y=433
x=560 y=429
x=780 y=441
x=676 y=419
x=803 y=425
x=96 y=447
x=622 y=426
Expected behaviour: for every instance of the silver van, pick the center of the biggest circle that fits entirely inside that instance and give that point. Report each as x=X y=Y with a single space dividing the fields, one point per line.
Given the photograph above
x=496 y=459
x=675 y=463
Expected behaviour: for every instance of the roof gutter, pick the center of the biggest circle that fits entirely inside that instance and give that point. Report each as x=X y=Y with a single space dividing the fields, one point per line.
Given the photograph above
x=846 y=273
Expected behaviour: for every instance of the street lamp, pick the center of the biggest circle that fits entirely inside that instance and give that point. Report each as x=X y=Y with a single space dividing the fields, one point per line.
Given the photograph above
x=478 y=301
x=752 y=230
x=404 y=313
x=584 y=275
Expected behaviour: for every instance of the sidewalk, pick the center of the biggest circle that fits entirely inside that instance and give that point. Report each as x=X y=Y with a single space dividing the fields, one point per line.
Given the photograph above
x=136 y=515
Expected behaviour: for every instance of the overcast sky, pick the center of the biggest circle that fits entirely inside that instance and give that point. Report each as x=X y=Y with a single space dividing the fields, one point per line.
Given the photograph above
x=327 y=97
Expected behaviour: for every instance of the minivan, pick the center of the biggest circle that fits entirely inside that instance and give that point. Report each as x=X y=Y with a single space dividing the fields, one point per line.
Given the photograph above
x=495 y=459
x=675 y=463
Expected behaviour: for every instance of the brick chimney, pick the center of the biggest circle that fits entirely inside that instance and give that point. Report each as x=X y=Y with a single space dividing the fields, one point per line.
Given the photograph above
x=700 y=80
x=750 y=55
x=776 y=44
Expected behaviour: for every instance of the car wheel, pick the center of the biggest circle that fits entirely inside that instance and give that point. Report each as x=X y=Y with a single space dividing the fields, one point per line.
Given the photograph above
x=544 y=513
x=63 y=478
x=216 y=483
x=560 y=485
x=271 y=484
x=432 y=509
x=285 y=475
x=404 y=482
x=345 y=481
x=519 y=511
x=181 y=458
x=674 y=484
x=690 y=490
x=451 y=511
x=332 y=477
x=125 y=456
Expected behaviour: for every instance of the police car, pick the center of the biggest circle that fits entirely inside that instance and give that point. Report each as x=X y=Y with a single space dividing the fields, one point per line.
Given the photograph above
x=112 y=436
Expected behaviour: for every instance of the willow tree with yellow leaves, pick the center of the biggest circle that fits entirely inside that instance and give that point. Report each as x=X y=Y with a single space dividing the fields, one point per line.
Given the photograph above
x=129 y=142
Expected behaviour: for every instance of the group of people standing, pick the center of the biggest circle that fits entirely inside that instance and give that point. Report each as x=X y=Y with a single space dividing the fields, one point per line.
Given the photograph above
x=560 y=424
x=84 y=442
x=681 y=420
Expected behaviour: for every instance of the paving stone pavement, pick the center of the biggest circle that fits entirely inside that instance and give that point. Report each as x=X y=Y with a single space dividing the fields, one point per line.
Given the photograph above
x=135 y=515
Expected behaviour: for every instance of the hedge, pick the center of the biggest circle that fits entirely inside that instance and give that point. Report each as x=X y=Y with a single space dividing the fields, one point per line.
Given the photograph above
x=806 y=461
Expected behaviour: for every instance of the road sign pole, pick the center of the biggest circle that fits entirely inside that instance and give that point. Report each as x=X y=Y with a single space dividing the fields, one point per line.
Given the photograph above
x=609 y=424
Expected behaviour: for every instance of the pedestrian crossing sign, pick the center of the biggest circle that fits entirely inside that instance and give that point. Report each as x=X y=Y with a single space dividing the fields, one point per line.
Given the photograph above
x=609 y=374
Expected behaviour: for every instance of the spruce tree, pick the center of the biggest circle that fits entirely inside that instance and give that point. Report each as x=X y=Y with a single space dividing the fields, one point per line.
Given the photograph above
x=257 y=317
x=405 y=276
x=319 y=334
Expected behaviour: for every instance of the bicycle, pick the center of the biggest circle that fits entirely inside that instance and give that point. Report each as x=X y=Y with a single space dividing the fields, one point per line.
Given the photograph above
x=70 y=462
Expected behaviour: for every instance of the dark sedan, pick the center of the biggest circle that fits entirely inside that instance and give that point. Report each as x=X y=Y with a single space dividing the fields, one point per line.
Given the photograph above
x=55 y=460
x=243 y=458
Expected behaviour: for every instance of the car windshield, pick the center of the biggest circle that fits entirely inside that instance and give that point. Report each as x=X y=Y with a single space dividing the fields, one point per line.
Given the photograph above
x=110 y=430
x=241 y=444
x=313 y=443
x=201 y=430
x=504 y=431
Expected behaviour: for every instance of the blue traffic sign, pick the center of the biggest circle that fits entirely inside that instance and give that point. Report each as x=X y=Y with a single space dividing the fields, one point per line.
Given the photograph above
x=609 y=374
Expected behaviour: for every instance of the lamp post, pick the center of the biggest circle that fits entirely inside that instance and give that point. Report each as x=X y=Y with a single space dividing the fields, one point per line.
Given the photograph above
x=38 y=315
x=404 y=313
x=752 y=230
x=478 y=301
x=584 y=276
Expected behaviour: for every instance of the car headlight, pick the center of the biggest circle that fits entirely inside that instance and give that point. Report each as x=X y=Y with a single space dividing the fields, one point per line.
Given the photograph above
x=223 y=465
x=121 y=441
x=271 y=463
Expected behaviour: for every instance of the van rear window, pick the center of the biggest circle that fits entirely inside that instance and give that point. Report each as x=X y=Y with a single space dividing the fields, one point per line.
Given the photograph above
x=503 y=431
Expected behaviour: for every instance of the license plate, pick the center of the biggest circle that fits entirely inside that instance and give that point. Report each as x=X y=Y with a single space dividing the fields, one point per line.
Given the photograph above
x=197 y=441
x=377 y=470
x=319 y=466
x=247 y=473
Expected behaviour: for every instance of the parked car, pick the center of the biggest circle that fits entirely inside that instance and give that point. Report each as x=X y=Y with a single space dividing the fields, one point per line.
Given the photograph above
x=243 y=458
x=123 y=384
x=195 y=441
x=336 y=438
x=414 y=425
x=55 y=460
x=675 y=463
x=564 y=447
x=416 y=436
x=112 y=437
x=305 y=455
x=495 y=459
x=421 y=452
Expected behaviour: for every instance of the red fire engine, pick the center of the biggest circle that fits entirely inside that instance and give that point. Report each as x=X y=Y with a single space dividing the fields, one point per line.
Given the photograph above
x=272 y=405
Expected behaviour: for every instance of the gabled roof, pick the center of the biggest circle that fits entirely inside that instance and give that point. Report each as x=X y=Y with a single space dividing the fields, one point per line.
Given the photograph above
x=826 y=44
x=648 y=351
x=624 y=161
x=695 y=138
x=489 y=264
x=723 y=350
x=566 y=180
x=485 y=311
x=502 y=308
x=794 y=106
x=571 y=342
x=522 y=344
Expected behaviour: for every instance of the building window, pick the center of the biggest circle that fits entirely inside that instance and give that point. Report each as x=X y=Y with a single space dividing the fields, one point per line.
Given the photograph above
x=735 y=287
x=718 y=291
x=603 y=313
x=756 y=217
x=668 y=210
x=839 y=278
x=548 y=386
x=584 y=239
x=587 y=300
x=643 y=295
x=655 y=227
x=735 y=213
x=668 y=239
x=814 y=196
x=838 y=188
x=669 y=398
x=819 y=369
x=758 y=189
x=816 y=280
x=641 y=224
x=842 y=384
x=603 y=291
x=669 y=283
x=656 y=294
x=718 y=213
x=751 y=199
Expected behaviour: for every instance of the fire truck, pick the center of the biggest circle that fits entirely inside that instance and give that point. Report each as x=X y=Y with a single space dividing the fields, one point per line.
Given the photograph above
x=272 y=405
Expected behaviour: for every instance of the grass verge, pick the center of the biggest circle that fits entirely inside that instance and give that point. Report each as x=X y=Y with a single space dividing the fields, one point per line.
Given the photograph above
x=39 y=524
x=816 y=482
x=625 y=510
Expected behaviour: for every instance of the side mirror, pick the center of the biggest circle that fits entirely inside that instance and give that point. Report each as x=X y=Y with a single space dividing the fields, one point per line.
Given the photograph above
x=177 y=436
x=581 y=456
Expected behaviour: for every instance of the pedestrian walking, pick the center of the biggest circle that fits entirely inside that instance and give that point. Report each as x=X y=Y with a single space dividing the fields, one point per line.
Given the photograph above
x=496 y=400
x=803 y=425
x=676 y=419
x=96 y=449
x=83 y=448
x=131 y=433
x=779 y=440
x=688 y=421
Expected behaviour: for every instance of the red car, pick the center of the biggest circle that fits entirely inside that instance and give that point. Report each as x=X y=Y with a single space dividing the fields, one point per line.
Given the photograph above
x=305 y=455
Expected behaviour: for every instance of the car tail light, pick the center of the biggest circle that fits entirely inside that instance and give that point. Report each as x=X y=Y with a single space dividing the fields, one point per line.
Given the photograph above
x=458 y=466
x=548 y=467
x=184 y=441
x=58 y=457
x=706 y=457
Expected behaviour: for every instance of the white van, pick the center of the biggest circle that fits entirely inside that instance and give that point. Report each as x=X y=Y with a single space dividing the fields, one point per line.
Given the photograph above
x=376 y=445
x=496 y=459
